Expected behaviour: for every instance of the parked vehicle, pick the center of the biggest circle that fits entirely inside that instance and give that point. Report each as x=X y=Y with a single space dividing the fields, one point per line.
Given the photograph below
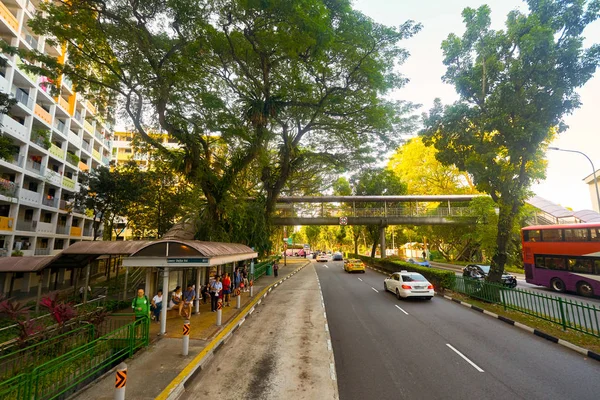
x=480 y=272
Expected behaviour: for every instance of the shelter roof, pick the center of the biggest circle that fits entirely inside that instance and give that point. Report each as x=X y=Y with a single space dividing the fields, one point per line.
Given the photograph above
x=24 y=264
x=159 y=248
x=548 y=207
x=587 y=216
x=99 y=248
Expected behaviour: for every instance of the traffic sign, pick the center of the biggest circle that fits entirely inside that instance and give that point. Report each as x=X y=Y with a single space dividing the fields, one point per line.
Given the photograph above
x=290 y=241
x=343 y=220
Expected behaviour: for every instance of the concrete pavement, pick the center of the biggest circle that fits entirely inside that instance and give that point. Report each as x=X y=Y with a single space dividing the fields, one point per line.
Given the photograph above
x=153 y=369
x=386 y=348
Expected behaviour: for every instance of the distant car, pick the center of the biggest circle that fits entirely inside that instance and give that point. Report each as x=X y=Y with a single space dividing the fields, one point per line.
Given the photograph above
x=322 y=257
x=480 y=272
x=421 y=263
x=337 y=257
x=354 y=265
x=409 y=284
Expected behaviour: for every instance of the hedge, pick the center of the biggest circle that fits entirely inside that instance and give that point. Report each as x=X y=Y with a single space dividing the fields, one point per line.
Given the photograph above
x=441 y=279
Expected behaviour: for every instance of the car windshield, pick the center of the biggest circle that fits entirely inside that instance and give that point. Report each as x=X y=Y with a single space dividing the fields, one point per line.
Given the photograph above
x=485 y=268
x=414 y=278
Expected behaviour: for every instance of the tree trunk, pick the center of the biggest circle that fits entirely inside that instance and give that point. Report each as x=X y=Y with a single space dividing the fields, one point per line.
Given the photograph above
x=374 y=248
x=506 y=221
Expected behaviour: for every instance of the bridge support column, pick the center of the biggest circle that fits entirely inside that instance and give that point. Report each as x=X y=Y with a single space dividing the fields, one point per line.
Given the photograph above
x=382 y=241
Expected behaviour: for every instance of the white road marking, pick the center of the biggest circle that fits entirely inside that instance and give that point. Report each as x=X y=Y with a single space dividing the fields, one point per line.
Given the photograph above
x=241 y=322
x=398 y=307
x=375 y=289
x=329 y=344
x=326 y=266
x=326 y=327
x=360 y=279
x=332 y=370
x=465 y=358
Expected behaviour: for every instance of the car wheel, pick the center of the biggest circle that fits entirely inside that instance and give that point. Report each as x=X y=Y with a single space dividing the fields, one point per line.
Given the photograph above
x=398 y=295
x=429 y=298
x=385 y=286
x=585 y=289
x=364 y=271
x=557 y=285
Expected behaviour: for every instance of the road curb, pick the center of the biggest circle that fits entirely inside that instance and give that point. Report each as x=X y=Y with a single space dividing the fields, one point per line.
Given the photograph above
x=553 y=339
x=177 y=386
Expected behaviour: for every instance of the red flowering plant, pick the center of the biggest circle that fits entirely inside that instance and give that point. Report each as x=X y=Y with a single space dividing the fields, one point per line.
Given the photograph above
x=19 y=314
x=61 y=312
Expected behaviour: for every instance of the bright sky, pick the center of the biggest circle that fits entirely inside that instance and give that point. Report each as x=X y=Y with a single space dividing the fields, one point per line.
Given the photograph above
x=424 y=68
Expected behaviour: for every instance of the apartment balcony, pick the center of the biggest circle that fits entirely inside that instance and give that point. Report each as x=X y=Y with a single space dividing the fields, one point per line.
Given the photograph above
x=88 y=232
x=6 y=223
x=53 y=177
x=24 y=99
x=13 y=128
x=28 y=226
x=30 y=196
x=91 y=107
x=73 y=138
x=62 y=229
x=72 y=159
x=30 y=75
x=96 y=155
x=7 y=16
x=8 y=188
x=105 y=160
x=57 y=151
x=49 y=201
x=29 y=39
x=88 y=127
x=83 y=166
x=68 y=183
x=86 y=146
x=63 y=103
x=43 y=114
x=17 y=160
x=68 y=84
x=61 y=127
x=4 y=87
x=75 y=231
x=42 y=252
x=34 y=166
x=45 y=227
x=29 y=7
x=65 y=205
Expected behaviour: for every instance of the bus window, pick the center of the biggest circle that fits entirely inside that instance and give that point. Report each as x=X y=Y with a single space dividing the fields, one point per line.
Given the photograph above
x=556 y=263
x=597 y=264
x=552 y=235
x=581 y=265
x=539 y=262
x=532 y=236
x=576 y=235
x=595 y=234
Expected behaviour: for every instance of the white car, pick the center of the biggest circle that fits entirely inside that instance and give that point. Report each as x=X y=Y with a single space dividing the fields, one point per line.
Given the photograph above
x=322 y=257
x=409 y=284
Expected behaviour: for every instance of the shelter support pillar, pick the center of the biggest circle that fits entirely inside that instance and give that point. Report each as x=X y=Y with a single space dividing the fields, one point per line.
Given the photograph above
x=163 y=312
x=149 y=287
x=382 y=240
x=26 y=282
x=60 y=278
x=39 y=291
x=87 y=283
x=198 y=289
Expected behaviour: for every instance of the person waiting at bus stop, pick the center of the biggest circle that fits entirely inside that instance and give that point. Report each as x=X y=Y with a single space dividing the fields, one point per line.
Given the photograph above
x=185 y=307
x=141 y=305
x=215 y=290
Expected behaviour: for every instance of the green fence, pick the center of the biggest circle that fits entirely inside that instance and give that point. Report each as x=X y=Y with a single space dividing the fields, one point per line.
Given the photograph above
x=66 y=373
x=260 y=269
x=569 y=314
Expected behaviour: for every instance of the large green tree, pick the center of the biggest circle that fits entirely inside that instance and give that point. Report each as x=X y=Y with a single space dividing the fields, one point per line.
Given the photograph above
x=268 y=85
x=515 y=87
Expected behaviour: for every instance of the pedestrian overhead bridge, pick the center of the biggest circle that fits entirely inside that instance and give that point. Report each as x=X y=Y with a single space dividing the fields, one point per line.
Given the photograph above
x=374 y=210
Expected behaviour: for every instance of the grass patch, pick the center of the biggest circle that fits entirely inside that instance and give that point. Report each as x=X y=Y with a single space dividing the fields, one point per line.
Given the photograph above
x=580 y=339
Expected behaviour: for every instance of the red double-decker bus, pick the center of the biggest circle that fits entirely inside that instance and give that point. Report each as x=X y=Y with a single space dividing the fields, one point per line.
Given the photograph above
x=563 y=257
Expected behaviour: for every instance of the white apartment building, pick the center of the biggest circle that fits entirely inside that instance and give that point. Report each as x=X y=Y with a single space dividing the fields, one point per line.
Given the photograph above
x=123 y=151
x=36 y=185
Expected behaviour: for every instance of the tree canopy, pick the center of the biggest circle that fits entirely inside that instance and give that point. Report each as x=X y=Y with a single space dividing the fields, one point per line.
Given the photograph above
x=515 y=87
x=272 y=87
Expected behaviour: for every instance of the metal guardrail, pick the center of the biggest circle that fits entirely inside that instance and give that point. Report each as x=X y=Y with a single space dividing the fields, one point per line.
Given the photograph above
x=72 y=370
x=567 y=313
x=314 y=212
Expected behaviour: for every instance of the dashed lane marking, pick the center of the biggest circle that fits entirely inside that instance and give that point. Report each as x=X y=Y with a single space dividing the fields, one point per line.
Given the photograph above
x=375 y=289
x=360 y=279
x=399 y=308
x=465 y=358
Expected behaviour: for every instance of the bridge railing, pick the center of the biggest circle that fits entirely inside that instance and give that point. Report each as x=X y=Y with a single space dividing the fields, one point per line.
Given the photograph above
x=377 y=212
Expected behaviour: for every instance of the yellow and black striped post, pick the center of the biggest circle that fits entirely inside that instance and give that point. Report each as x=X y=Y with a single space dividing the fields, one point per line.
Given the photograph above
x=238 y=300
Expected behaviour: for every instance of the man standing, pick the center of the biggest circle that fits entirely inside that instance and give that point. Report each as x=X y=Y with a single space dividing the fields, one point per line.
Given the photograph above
x=141 y=305
x=215 y=289
x=185 y=307
x=226 y=289
x=276 y=268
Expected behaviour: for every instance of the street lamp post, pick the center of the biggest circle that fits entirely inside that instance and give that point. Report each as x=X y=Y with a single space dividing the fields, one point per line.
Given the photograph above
x=593 y=169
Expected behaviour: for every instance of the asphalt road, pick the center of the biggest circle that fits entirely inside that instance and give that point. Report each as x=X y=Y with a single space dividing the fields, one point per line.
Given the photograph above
x=385 y=348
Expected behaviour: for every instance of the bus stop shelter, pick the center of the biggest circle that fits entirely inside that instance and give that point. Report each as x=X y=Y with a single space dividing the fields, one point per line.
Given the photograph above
x=175 y=254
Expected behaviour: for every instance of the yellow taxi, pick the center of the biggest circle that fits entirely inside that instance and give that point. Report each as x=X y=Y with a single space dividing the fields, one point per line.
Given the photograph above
x=354 y=265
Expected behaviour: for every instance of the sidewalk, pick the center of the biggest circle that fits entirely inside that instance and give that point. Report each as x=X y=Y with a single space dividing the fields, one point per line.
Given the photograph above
x=153 y=369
